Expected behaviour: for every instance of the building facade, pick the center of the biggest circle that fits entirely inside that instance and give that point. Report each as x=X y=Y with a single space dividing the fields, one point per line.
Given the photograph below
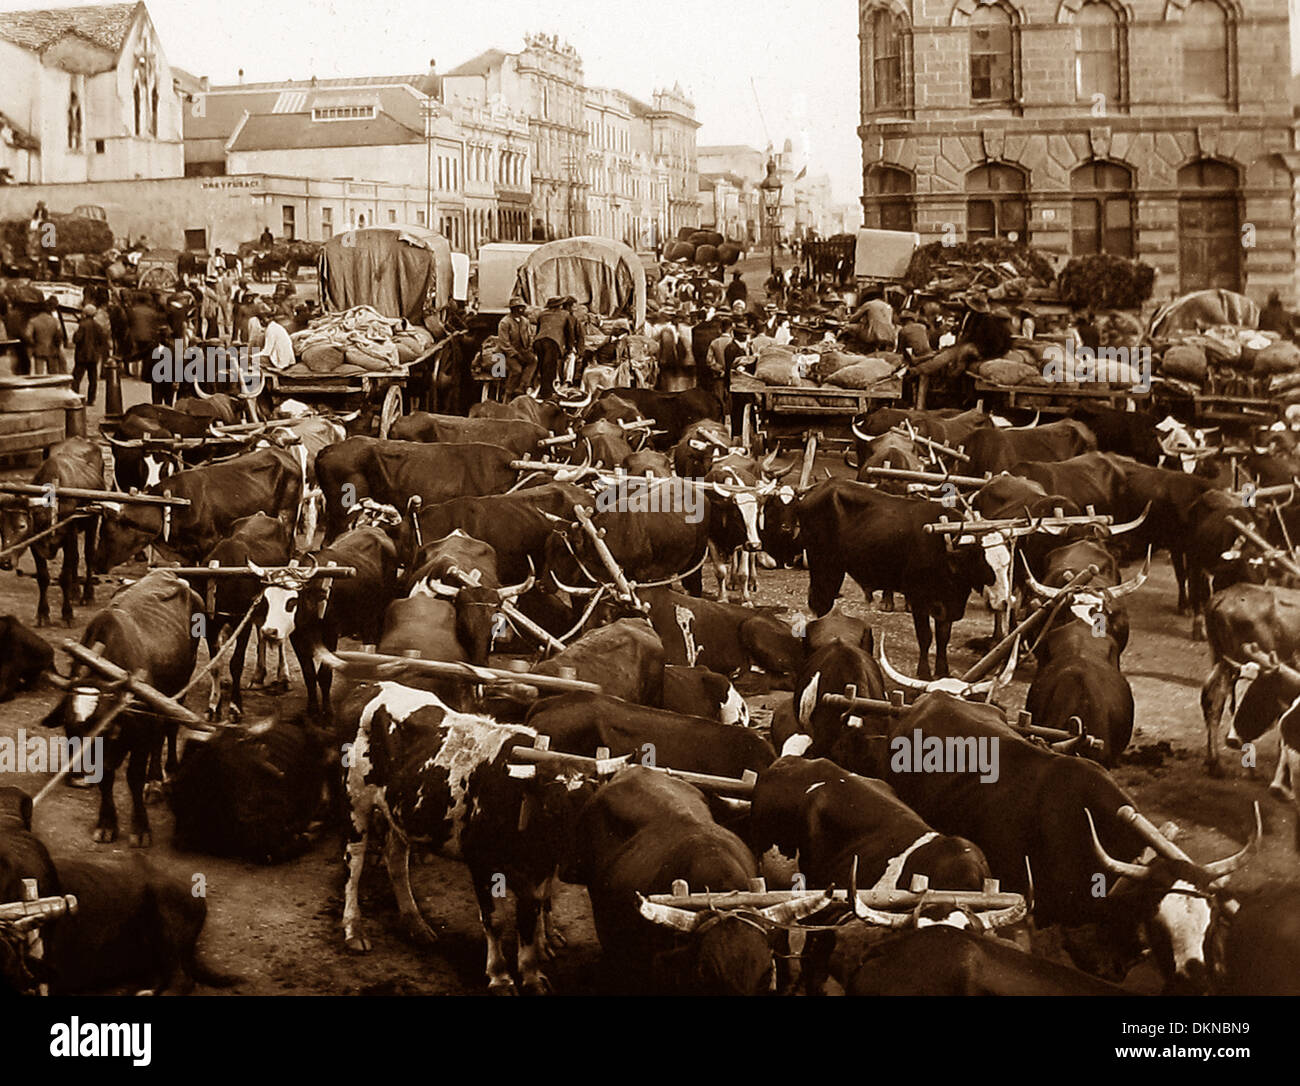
x=671 y=118
x=1160 y=129
x=86 y=94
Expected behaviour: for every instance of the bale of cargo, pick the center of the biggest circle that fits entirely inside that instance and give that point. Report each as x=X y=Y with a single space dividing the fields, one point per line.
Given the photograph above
x=782 y=372
x=706 y=255
x=1281 y=357
x=60 y=235
x=728 y=253
x=685 y=233
x=1009 y=371
x=861 y=374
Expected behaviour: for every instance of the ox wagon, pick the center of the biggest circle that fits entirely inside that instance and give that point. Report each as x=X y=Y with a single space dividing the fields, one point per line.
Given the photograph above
x=403 y=272
x=774 y=409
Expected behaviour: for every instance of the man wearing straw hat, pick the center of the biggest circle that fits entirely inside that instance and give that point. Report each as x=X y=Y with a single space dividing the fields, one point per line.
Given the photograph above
x=515 y=334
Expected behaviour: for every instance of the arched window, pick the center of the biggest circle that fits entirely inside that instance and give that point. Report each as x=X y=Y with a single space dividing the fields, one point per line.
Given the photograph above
x=1097 y=52
x=1205 y=52
x=1102 y=209
x=153 y=110
x=138 y=92
x=996 y=206
x=74 y=120
x=886 y=60
x=1209 y=227
x=992 y=55
x=888 y=204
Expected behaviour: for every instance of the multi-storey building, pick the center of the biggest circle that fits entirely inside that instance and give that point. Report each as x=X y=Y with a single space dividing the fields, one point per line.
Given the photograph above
x=1160 y=129
x=86 y=94
x=671 y=118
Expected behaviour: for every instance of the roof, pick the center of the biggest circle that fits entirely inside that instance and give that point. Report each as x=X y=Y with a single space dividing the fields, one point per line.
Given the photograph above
x=481 y=64
x=293 y=131
x=223 y=107
x=425 y=83
x=106 y=25
x=727 y=149
x=21 y=139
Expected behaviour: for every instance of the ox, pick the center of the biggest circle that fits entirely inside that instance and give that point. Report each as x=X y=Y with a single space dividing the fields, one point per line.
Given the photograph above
x=72 y=463
x=441 y=778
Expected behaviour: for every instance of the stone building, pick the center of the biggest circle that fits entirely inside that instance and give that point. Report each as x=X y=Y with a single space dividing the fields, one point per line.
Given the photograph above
x=86 y=94
x=1159 y=129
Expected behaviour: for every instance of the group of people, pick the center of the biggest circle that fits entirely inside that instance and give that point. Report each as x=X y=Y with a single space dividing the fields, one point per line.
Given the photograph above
x=539 y=353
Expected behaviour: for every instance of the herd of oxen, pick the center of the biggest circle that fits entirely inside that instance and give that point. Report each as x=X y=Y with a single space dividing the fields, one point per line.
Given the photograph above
x=465 y=538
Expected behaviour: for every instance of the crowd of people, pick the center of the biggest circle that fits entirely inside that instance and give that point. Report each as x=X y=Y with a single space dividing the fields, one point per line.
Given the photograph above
x=127 y=325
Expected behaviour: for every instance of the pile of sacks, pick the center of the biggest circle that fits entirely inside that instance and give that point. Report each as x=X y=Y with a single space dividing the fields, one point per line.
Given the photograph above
x=825 y=363
x=361 y=337
x=1191 y=357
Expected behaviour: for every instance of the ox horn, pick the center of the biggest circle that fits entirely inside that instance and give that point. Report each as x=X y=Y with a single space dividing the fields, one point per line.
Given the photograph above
x=861 y=435
x=1001 y=918
x=510 y=592
x=1221 y=869
x=898 y=676
x=577 y=405
x=1120 y=529
x=256 y=569
x=1128 y=587
x=668 y=916
x=1043 y=590
x=570 y=589
x=198 y=389
x=1116 y=867
x=438 y=588
x=865 y=912
x=789 y=912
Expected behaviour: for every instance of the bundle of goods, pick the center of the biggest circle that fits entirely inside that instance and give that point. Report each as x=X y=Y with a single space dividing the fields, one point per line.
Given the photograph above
x=1225 y=354
x=991 y=264
x=826 y=363
x=59 y=235
x=359 y=337
x=704 y=247
x=1105 y=281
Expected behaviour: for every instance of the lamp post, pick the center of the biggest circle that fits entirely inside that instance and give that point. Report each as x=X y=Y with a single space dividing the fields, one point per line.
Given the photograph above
x=770 y=188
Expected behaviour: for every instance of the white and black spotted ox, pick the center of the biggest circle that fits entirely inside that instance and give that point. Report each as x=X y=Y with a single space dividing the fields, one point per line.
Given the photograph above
x=440 y=778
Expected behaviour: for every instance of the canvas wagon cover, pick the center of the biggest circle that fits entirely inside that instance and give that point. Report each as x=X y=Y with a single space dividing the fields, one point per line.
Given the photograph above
x=394 y=269
x=606 y=275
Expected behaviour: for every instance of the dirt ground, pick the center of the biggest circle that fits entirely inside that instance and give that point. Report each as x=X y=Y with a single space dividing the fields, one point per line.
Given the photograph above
x=279 y=927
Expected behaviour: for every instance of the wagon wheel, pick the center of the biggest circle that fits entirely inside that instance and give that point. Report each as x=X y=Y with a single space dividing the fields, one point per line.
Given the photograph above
x=391 y=411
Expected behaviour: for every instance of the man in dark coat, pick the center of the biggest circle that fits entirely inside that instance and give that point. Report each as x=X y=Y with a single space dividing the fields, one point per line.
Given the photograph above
x=89 y=350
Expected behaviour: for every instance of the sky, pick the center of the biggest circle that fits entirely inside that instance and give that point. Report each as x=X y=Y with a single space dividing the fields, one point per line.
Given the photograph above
x=759 y=72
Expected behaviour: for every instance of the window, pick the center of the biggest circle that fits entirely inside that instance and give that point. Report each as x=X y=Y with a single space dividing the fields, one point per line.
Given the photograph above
x=1102 y=210
x=288 y=220
x=1096 y=52
x=343 y=113
x=99 y=147
x=196 y=241
x=419 y=218
x=392 y=215
x=74 y=120
x=327 y=221
x=992 y=55
x=889 y=199
x=1205 y=51
x=996 y=207
x=153 y=111
x=138 y=97
x=886 y=60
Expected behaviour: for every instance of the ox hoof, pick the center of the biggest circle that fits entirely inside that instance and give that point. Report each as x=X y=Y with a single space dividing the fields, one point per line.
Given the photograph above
x=80 y=780
x=153 y=792
x=69 y=619
x=42 y=621
x=416 y=930
x=1213 y=768
x=359 y=944
x=502 y=986
x=87 y=597
x=538 y=985
x=280 y=686
x=104 y=834
x=140 y=840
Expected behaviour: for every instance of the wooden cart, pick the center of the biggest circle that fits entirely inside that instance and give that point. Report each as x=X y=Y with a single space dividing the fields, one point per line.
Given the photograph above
x=1059 y=399
x=384 y=387
x=775 y=407
x=37 y=412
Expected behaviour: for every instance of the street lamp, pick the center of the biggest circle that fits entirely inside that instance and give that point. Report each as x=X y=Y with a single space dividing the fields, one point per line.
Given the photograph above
x=770 y=188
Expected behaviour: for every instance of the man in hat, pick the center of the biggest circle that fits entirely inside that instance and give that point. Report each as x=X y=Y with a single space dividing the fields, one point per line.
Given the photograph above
x=515 y=334
x=737 y=291
x=988 y=328
x=45 y=340
x=89 y=350
x=871 y=325
x=558 y=333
